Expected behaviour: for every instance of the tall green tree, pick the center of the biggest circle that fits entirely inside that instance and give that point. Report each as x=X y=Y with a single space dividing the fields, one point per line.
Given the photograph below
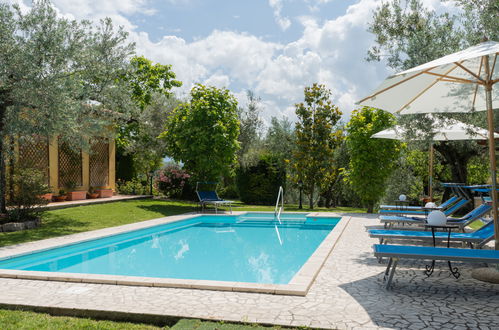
x=59 y=77
x=147 y=78
x=371 y=160
x=150 y=87
x=280 y=138
x=144 y=151
x=202 y=134
x=249 y=130
x=333 y=174
x=316 y=138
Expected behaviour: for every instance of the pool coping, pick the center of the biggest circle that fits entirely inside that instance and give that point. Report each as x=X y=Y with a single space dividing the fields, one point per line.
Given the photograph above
x=299 y=284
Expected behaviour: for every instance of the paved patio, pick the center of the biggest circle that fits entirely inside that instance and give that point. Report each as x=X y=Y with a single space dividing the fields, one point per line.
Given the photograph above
x=347 y=294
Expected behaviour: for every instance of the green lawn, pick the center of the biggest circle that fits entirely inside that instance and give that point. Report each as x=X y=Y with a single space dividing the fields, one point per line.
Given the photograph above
x=15 y=319
x=91 y=217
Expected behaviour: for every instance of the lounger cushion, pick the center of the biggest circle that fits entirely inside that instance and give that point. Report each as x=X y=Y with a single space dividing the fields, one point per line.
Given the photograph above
x=436 y=253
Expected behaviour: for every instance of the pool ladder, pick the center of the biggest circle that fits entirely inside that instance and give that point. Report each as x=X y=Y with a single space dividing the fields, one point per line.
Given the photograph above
x=278 y=210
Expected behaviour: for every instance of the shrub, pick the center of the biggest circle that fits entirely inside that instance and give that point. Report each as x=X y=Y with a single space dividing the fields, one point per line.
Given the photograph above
x=260 y=183
x=171 y=180
x=26 y=202
x=132 y=187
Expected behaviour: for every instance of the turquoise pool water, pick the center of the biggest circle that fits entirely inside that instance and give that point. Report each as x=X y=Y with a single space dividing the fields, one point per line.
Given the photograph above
x=252 y=247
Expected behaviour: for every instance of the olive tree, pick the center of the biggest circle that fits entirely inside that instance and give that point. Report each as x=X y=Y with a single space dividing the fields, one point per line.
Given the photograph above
x=59 y=76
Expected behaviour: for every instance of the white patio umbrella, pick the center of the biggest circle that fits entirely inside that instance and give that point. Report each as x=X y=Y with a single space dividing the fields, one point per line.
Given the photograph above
x=444 y=130
x=459 y=82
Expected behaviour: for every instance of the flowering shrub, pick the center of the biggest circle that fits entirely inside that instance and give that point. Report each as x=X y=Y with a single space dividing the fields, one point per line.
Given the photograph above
x=171 y=180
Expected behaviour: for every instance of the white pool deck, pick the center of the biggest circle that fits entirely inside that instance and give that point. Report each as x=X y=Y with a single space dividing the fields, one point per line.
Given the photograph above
x=346 y=294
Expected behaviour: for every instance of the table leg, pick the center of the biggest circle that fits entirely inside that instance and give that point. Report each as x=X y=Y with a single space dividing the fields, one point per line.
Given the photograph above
x=453 y=270
x=430 y=268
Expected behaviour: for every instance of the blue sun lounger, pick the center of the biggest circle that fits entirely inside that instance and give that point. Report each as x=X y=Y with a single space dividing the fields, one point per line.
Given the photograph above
x=397 y=252
x=476 y=239
x=462 y=222
x=450 y=210
x=211 y=197
x=445 y=205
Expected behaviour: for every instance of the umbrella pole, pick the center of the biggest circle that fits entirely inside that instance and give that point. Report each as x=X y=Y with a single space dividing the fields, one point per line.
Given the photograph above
x=430 y=180
x=492 y=156
x=492 y=147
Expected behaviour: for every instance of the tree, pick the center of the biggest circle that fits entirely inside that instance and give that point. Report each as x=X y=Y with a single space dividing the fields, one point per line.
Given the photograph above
x=316 y=139
x=143 y=152
x=58 y=77
x=147 y=79
x=332 y=178
x=407 y=34
x=371 y=160
x=280 y=138
x=250 y=126
x=203 y=133
x=150 y=89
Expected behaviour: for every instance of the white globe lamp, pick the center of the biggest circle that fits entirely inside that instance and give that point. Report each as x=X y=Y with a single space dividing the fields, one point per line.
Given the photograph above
x=402 y=198
x=437 y=218
x=430 y=205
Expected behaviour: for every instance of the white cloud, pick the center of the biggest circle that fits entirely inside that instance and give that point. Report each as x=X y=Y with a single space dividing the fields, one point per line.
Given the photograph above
x=331 y=52
x=283 y=22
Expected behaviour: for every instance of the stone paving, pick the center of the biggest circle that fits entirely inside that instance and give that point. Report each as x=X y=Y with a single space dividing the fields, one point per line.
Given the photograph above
x=347 y=294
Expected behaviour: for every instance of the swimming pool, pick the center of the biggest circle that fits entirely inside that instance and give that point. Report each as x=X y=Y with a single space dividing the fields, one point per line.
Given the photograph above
x=249 y=248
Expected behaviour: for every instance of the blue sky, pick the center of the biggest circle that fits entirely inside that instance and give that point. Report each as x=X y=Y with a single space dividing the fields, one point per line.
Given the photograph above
x=273 y=47
x=196 y=19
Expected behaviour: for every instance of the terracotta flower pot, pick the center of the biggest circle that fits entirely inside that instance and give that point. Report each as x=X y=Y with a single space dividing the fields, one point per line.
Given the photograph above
x=103 y=193
x=60 y=198
x=93 y=195
x=47 y=196
x=76 y=195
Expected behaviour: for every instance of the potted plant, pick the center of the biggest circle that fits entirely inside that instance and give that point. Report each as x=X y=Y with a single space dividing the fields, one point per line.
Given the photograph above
x=92 y=193
x=73 y=194
x=47 y=196
x=103 y=193
x=61 y=197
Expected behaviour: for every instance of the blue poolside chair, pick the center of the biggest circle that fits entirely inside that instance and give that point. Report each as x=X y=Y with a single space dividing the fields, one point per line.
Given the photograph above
x=450 y=210
x=397 y=252
x=445 y=205
x=476 y=239
x=210 y=197
x=462 y=222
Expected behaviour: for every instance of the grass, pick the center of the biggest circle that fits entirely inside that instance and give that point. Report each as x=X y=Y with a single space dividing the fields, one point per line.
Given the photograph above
x=91 y=217
x=16 y=319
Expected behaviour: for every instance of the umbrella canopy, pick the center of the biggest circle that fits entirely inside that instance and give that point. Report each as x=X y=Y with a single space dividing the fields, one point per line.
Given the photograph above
x=459 y=82
x=449 y=130
x=453 y=83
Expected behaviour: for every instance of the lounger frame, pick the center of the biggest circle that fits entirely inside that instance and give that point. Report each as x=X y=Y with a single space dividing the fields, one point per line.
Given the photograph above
x=420 y=253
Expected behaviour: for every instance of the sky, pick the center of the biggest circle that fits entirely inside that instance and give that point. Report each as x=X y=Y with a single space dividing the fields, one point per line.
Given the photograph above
x=272 y=47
